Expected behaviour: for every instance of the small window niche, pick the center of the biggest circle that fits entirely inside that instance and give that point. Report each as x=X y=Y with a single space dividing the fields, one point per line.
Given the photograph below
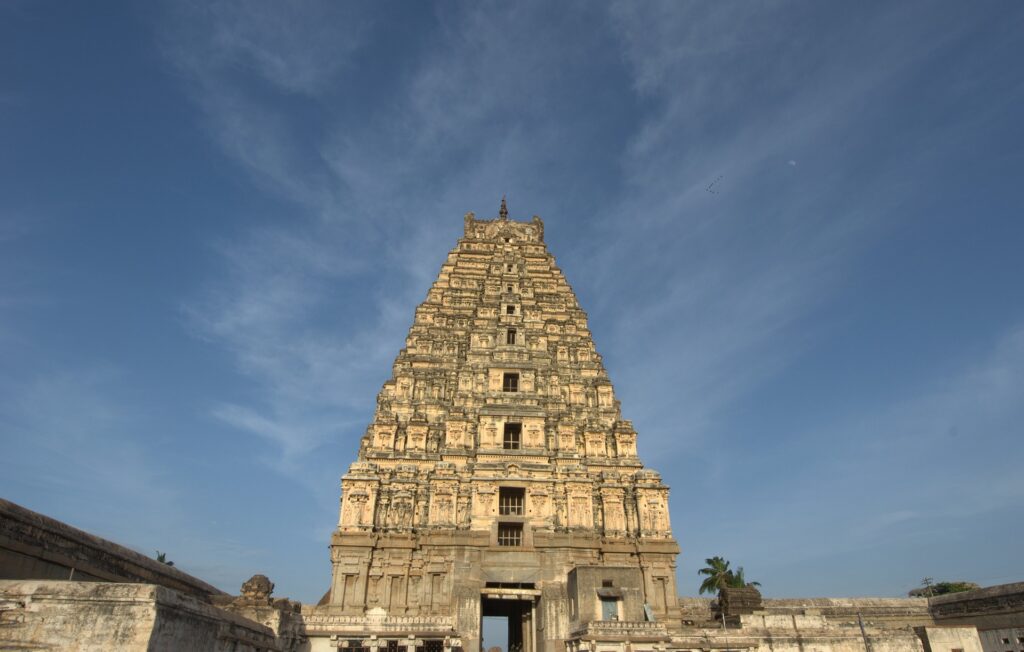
x=511 y=501
x=510 y=309
x=510 y=336
x=508 y=268
x=510 y=382
x=510 y=534
x=607 y=584
x=512 y=439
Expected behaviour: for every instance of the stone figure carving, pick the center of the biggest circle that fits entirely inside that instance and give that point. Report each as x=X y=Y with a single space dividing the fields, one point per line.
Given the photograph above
x=653 y=516
x=400 y=515
x=443 y=504
x=257 y=589
x=356 y=514
x=578 y=512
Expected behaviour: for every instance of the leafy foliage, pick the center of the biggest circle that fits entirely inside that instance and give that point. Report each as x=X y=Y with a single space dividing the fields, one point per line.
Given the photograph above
x=941 y=588
x=720 y=576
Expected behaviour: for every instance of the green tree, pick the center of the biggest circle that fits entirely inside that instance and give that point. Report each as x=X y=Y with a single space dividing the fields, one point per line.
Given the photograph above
x=931 y=588
x=718 y=575
x=738 y=581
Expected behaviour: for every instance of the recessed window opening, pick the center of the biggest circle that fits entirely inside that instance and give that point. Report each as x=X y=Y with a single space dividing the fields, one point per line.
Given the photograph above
x=508 y=268
x=510 y=383
x=508 y=239
x=511 y=501
x=510 y=534
x=509 y=288
x=510 y=336
x=607 y=584
x=609 y=609
x=512 y=438
x=510 y=309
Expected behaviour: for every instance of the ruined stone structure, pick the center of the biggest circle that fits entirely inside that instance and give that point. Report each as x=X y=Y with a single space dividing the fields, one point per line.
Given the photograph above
x=498 y=476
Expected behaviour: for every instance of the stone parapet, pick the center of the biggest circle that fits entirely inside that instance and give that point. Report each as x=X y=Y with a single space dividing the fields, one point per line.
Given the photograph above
x=34 y=546
x=102 y=616
x=620 y=630
x=993 y=607
x=321 y=620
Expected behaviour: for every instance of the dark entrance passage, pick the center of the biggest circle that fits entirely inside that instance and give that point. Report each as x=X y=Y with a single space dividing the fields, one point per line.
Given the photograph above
x=519 y=616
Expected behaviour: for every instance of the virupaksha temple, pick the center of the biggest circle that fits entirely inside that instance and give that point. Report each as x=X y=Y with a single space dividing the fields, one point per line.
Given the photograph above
x=497 y=478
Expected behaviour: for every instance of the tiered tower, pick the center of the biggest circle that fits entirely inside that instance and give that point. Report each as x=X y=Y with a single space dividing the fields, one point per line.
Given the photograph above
x=498 y=476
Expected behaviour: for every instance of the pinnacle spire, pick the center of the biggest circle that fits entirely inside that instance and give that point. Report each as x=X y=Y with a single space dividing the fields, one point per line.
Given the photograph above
x=503 y=212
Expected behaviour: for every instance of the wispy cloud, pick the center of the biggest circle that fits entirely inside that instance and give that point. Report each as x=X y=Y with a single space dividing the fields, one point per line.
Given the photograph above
x=697 y=297
x=313 y=310
x=729 y=276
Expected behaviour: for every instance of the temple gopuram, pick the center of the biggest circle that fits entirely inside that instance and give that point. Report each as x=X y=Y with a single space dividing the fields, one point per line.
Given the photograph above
x=498 y=477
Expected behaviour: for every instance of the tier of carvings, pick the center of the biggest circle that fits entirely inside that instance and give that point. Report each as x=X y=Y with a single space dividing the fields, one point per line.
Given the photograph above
x=498 y=395
x=437 y=448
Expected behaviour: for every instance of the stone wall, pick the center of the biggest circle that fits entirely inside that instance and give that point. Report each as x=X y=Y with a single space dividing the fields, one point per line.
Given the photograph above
x=997 y=612
x=34 y=546
x=102 y=616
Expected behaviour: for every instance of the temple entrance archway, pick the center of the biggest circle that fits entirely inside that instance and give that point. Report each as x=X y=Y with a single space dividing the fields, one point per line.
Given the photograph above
x=518 y=607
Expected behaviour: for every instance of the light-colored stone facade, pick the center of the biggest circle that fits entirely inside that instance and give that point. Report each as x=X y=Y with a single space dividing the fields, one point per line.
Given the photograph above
x=497 y=463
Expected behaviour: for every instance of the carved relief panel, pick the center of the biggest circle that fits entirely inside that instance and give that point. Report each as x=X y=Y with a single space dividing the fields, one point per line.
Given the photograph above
x=653 y=507
x=533 y=428
x=456 y=434
x=596 y=445
x=401 y=510
x=416 y=437
x=359 y=501
x=484 y=500
x=442 y=503
x=614 y=511
x=625 y=444
x=580 y=506
x=491 y=430
x=384 y=436
x=566 y=437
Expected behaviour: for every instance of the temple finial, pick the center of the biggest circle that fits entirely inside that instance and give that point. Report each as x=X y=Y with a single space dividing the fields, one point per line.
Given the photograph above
x=503 y=213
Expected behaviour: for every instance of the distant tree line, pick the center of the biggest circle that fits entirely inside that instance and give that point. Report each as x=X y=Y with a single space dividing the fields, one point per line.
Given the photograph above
x=930 y=587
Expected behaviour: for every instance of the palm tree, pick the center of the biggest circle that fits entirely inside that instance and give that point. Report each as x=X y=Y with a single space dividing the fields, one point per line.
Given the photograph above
x=736 y=579
x=718 y=575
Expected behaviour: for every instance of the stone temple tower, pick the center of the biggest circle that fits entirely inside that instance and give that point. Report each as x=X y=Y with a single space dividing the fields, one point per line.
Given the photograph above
x=498 y=477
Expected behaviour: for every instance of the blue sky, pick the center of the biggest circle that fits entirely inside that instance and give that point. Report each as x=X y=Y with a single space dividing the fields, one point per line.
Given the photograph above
x=217 y=218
